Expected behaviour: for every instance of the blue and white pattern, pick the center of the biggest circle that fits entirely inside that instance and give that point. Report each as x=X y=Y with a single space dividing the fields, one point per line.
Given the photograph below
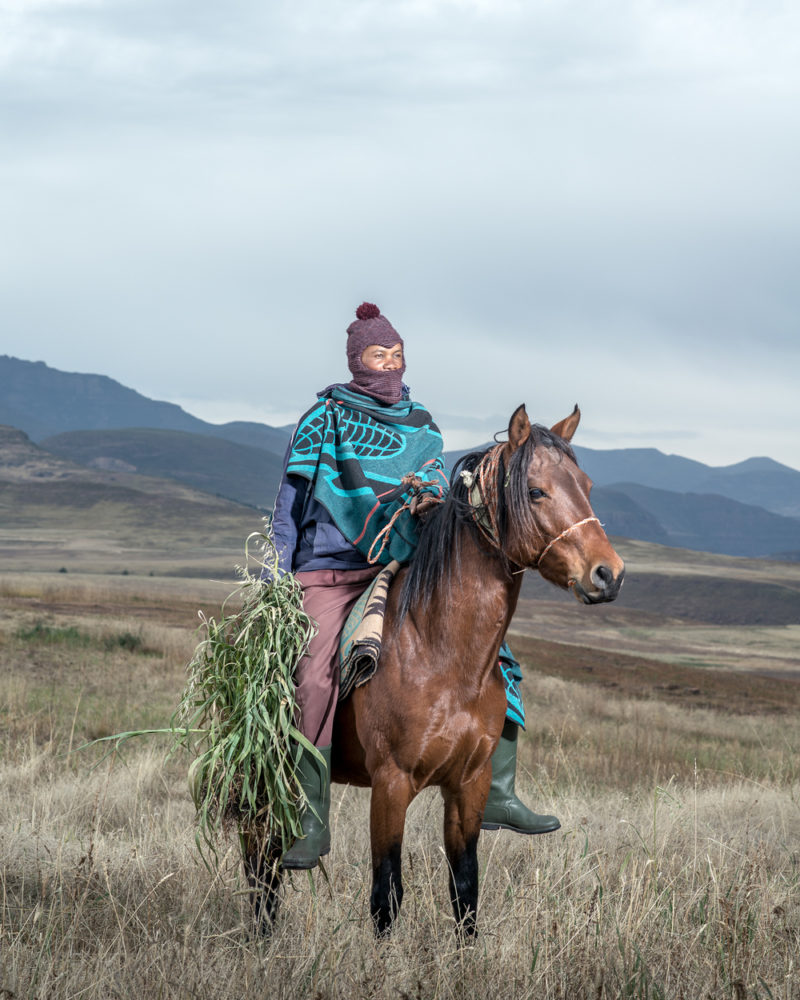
x=367 y=438
x=355 y=452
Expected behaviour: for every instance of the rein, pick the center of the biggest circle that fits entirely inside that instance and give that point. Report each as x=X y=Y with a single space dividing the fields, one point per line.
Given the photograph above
x=482 y=487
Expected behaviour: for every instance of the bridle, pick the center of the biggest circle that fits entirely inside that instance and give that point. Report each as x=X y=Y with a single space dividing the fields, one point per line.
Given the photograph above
x=481 y=484
x=558 y=538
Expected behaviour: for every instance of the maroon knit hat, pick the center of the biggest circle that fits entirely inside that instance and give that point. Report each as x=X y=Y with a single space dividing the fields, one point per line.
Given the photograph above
x=371 y=328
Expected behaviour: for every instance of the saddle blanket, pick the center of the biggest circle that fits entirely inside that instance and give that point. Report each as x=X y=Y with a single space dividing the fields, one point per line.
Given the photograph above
x=360 y=645
x=362 y=635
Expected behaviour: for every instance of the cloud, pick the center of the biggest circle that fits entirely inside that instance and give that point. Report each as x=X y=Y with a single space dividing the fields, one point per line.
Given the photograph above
x=551 y=201
x=365 y=50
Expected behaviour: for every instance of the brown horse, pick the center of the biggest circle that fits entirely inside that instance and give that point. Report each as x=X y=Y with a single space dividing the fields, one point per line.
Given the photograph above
x=434 y=711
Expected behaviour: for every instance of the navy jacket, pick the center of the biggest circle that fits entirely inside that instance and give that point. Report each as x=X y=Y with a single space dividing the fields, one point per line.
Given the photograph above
x=304 y=533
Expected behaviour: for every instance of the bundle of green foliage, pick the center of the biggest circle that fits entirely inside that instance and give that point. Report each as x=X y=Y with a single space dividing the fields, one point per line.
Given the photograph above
x=236 y=716
x=237 y=713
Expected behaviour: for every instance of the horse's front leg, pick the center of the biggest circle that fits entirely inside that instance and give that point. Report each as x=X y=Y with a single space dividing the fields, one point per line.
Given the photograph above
x=391 y=795
x=463 y=814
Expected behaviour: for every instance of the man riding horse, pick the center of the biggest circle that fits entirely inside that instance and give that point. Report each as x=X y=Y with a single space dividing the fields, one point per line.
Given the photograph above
x=347 y=473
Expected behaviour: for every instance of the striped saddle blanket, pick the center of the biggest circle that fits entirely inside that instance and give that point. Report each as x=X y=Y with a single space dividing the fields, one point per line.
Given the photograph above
x=360 y=644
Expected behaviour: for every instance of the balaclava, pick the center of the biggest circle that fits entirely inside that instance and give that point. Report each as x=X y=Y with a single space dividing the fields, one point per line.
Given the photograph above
x=371 y=328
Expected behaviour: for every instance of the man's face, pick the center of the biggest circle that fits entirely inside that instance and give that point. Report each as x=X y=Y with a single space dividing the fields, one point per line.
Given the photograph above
x=382 y=359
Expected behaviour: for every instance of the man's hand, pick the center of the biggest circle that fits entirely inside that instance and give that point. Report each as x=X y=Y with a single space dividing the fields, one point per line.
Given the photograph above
x=422 y=503
x=411 y=483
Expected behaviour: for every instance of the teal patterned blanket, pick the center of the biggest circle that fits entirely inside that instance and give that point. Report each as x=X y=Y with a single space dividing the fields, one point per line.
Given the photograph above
x=355 y=452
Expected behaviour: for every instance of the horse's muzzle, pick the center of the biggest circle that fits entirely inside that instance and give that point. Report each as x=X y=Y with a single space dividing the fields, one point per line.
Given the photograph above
x=605 y=585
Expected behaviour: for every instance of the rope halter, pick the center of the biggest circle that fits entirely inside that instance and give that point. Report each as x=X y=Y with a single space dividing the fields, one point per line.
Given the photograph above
x=558 y=538
x=481 y=487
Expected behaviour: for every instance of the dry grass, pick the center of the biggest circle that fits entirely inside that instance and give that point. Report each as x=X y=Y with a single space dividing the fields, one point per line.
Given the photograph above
x=670 y=892
x=93 y=593
x=676 y=872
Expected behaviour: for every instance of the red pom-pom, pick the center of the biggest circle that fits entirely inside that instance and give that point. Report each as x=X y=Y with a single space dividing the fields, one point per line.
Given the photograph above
x=367 y=310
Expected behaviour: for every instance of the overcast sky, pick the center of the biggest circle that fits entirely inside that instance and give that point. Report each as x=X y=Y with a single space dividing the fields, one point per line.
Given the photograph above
x=552 y=201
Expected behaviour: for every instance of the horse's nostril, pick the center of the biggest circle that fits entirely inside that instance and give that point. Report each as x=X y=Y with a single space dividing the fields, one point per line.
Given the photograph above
x=602 y=576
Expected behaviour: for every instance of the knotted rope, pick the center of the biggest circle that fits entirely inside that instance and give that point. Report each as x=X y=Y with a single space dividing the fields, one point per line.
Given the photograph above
x=417 y=487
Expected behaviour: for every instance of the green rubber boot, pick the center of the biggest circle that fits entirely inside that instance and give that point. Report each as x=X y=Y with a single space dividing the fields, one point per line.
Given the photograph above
x=504 y=811
x=315 y=779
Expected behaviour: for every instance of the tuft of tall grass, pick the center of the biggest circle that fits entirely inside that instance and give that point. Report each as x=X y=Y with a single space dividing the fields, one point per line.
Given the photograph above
x=236 y=716
x=71 y=636
x=54 y=636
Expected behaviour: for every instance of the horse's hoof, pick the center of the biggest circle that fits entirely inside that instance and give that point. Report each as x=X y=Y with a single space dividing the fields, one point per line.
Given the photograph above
x=259 y=930
x=382 y=926
x=466 y=935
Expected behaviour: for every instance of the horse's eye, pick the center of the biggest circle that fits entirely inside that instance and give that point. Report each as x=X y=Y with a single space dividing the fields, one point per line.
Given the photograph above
x=535 y=493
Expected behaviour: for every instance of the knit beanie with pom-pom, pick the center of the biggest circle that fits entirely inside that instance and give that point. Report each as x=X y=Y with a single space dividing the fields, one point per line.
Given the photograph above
x=371 y=328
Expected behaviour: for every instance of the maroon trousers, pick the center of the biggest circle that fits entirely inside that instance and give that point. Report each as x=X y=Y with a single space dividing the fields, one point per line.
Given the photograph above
x=328 y=598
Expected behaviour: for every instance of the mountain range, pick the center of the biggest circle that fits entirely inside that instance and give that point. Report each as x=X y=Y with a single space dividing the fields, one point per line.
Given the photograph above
x=224 y=467
x=751 y=508
x=46 y=499
x=44 y=401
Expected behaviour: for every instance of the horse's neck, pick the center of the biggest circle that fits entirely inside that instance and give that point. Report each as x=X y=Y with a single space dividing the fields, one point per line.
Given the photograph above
x=474 y=607
x=487 y=587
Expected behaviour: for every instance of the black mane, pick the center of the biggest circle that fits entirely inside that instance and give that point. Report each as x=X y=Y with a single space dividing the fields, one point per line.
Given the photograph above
x=437 y=553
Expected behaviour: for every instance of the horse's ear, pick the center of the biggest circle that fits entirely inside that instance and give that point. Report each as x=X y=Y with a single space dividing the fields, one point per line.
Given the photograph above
x=566 y=428
x=519 y=428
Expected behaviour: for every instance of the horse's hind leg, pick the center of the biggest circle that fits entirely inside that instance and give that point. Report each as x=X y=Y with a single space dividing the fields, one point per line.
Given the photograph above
x=463 y=812
x=390 y=799
x=263 y=872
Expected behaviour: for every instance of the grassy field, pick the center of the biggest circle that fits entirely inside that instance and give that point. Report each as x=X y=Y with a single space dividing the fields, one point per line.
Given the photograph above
x=676 y=872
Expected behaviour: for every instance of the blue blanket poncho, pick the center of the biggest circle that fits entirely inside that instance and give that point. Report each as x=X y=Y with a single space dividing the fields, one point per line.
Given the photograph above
x=355 y=452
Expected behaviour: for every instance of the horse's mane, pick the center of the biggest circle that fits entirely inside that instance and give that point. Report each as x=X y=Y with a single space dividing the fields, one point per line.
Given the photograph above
x=437 y=553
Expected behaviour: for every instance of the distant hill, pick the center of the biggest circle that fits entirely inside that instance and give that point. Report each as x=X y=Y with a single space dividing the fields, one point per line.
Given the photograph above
x=250 y=475
x=751 y=508
x=761 y=482
x=43 y=495
x=710 y=523
x=237 y=471
x=701 y=522
x=624 y=517
x=43 y=402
